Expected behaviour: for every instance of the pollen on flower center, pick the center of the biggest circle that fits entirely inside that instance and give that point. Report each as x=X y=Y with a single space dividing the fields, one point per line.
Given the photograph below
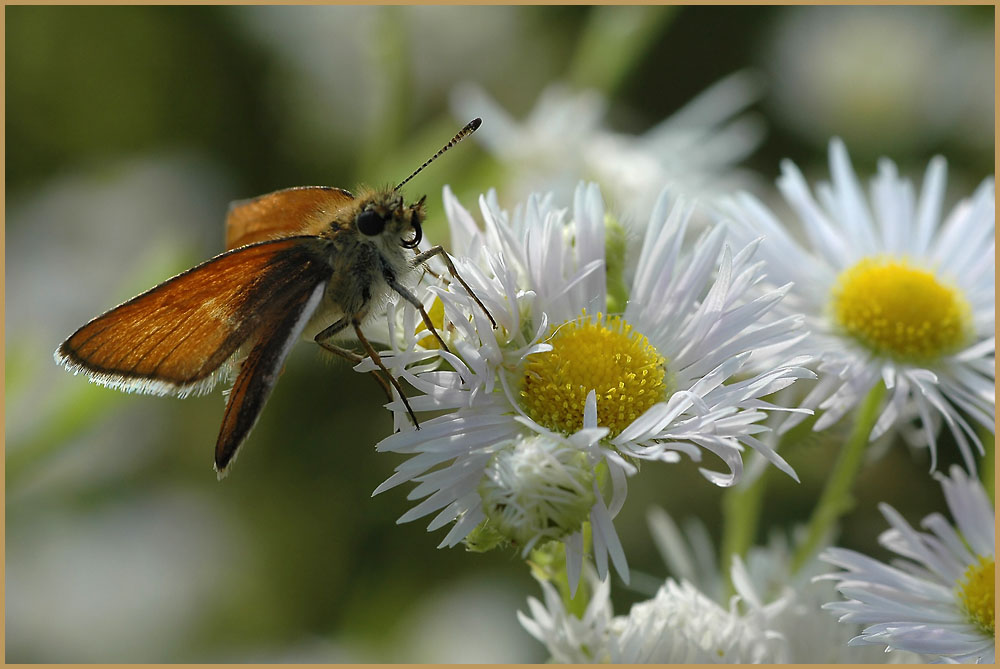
x=900 y=311
x=603 y=354
x=975 y=592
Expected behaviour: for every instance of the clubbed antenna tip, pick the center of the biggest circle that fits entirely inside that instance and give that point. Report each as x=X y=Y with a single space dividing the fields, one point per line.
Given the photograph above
x=469 y=128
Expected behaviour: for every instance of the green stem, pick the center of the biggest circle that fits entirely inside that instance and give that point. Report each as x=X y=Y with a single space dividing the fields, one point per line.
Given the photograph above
x=548 y=563
x=836 y=499
x=741 y=507
x=576 y=605
x=987 y=471
x=612 y=42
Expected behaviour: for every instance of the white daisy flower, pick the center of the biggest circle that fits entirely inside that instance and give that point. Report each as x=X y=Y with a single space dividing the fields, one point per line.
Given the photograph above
x=891 y=294
x=564 y=139
x=938 y=598
x=501 y=465
x=666 y=375
x=687 y=325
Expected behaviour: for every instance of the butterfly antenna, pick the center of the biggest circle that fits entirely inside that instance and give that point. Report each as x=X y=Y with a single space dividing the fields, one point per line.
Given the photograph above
x=470 y=128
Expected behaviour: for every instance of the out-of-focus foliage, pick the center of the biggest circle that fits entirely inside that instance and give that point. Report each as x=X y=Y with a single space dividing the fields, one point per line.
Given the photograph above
x=128 y=131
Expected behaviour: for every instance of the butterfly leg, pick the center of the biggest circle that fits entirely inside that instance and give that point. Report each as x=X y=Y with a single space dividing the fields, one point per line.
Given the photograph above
x=428 y=270
x=348 y=354
x=373 y=354
x=353 y=357
x=405 y=293
x=439 y=251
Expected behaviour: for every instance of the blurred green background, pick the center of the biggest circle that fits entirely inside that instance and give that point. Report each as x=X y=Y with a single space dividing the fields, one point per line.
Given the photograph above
x=128 y=132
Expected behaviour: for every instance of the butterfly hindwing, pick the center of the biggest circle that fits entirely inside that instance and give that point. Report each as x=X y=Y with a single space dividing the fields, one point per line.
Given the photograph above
x=177 y=337
x=292 y=211
x=258 y=373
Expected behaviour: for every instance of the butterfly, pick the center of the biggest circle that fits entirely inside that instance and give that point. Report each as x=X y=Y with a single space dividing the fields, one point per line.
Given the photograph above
x=306 y=262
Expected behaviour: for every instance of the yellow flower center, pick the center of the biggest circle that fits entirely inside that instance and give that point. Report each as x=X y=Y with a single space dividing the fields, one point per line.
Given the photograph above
x=899 y=311
x=975 y=593
x=604 y=355
x=436 y=313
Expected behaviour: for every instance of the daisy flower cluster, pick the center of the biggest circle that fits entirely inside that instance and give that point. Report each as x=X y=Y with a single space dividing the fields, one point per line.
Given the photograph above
x=770 y=617
x=574 y=358
x=591 y=370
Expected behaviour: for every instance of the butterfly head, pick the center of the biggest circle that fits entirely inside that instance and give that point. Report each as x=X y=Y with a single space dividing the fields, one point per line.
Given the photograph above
x=384 y=215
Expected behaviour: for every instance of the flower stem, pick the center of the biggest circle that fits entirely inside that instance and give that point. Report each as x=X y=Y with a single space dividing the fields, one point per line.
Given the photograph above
x=987 y=472
x=836 y=499
x=548 y=563
x=742 y=505
x=577 y=605
x=740 y=517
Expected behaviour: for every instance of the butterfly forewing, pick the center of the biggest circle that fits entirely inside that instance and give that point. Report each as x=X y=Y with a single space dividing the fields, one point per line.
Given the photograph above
x=174 y=338
x=292 y=211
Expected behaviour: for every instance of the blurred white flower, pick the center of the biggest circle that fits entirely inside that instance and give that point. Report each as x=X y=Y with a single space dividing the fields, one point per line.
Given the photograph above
x=892 y=294
x=668 y=376
x=938 y=597
x=773 y=617
x=897 y=78
x=563 y=140
x=767 y=579
x=678 y=624
x=567 y=638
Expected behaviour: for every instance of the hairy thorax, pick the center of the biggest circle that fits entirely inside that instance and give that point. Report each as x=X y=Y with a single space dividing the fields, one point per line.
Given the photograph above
x=358 y=287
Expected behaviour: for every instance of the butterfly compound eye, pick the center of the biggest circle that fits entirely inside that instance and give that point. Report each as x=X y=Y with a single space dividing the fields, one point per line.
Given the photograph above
x=370 y=223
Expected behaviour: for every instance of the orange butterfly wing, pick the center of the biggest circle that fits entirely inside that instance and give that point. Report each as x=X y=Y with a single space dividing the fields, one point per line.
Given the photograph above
x=177 y=337
x=292 y=211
